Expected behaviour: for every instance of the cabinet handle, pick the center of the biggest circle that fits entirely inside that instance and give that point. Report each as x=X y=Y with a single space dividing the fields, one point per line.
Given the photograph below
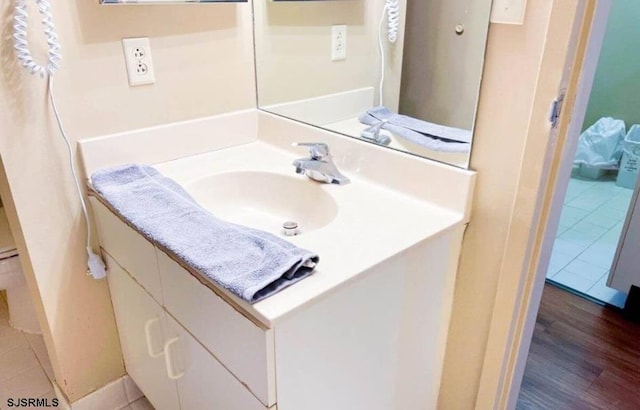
x=171 y=372
x=147 y=334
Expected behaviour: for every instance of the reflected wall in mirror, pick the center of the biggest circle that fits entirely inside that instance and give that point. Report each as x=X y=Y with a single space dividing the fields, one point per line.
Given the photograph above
x=428 y=77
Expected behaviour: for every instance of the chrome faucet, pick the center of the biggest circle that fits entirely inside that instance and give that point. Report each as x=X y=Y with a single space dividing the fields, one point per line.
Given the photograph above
x=319 y=166
x=373 y=134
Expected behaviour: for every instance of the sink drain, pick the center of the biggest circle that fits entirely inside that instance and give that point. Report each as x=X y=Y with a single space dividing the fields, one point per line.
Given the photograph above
x=290 y=228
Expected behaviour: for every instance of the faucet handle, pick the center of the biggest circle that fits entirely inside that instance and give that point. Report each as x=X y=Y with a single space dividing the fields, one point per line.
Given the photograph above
x=317 y=150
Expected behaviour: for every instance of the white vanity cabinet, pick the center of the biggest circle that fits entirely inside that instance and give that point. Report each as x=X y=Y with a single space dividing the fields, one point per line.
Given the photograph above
x=375 y=343
x=171 y=367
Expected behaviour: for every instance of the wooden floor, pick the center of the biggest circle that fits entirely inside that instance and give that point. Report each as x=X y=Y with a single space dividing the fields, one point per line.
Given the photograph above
x=583 y=356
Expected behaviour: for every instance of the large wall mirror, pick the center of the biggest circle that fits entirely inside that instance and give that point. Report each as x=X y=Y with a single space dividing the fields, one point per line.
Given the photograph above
x=416 y=92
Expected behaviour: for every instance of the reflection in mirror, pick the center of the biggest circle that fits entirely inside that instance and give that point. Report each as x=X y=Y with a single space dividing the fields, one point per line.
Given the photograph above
x=399 y=73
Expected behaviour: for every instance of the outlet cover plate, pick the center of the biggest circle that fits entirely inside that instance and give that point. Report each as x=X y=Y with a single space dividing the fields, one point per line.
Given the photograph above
x=338 y=42
x=137 y=57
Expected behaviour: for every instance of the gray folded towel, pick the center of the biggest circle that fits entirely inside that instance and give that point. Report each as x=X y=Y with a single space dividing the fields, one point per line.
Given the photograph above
x=429 y=135
x=250 y=263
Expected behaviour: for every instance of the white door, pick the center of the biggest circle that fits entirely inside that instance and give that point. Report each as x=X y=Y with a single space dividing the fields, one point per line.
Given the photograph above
x=626 y=265
x=141 y=325
x=203 y=383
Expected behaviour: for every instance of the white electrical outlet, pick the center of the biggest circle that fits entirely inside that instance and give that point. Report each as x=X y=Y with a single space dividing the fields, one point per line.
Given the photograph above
x=137 y=56
x=338 y=42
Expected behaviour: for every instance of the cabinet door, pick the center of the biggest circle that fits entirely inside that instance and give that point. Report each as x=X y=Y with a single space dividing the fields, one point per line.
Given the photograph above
x=141 y=325
x=241 y=346
x=203 y=383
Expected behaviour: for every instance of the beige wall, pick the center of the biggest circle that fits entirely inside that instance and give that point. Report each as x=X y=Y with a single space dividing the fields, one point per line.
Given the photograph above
x=522 y=75
x=6 y=237
x=546 y=161
x=293 y=50
x=94 y=99
x=442 y=70
x=204 y=65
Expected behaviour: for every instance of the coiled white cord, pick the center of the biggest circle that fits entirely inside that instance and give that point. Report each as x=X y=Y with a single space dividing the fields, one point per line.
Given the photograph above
x=21 y=43
x=390 y=11
x=95 y=264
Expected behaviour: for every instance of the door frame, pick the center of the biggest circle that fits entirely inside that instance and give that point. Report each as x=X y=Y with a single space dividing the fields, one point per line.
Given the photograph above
x=517 y=301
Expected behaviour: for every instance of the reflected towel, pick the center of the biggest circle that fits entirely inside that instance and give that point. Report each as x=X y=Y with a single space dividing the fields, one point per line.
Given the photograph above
x=250 y=263
x=429 y=135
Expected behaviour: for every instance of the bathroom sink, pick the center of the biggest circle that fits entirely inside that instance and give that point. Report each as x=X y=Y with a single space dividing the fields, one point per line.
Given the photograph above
x=265 y=200
x=353 y=227
x=396 y=205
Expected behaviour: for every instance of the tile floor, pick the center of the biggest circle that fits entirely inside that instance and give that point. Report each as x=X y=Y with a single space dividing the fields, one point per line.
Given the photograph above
x=140 y=404
x=590 y=226
x=25 y=370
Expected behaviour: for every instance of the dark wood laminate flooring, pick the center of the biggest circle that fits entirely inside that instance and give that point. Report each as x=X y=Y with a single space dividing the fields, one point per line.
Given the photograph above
x=583 y=356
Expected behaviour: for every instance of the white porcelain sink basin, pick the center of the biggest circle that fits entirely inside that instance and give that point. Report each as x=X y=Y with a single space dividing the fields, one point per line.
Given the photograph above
x=265 y=200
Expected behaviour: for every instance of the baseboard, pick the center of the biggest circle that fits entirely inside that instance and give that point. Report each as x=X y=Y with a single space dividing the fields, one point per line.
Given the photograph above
x=115 y=395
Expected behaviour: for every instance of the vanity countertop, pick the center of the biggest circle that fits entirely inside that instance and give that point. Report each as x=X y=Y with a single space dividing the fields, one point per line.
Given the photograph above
x=372 y=222
x=394 y=202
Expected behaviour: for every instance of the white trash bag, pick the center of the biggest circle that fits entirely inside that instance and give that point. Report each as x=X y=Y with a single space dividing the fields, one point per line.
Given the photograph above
x=600 y=145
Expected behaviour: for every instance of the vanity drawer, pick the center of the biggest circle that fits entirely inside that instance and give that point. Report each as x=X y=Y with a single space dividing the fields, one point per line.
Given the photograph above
x=244 y=348
x=130 y=249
